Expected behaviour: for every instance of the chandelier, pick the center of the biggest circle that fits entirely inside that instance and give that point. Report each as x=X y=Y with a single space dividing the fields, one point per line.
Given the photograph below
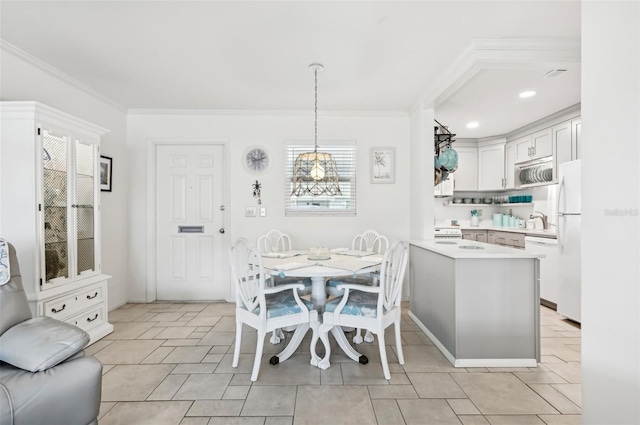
x=315 y=173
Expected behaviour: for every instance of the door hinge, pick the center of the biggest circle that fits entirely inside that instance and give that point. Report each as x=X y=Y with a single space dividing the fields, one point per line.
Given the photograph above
x=38 y=131
x=39 y=207
x=40 y=282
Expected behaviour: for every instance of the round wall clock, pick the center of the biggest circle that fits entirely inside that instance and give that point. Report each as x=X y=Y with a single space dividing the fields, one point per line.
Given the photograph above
x=256 y=159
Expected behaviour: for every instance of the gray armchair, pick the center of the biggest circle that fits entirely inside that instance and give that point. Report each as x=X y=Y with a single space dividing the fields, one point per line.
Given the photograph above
x=45 y=378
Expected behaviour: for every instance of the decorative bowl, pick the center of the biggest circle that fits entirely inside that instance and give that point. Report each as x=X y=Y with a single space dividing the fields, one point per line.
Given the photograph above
x=457 y=200
x=488 y=200
x=467 y=200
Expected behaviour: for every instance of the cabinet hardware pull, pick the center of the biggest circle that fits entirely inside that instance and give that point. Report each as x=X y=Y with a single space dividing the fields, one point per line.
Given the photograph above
x=89 y=297
x=53 y=310
x=94 y=318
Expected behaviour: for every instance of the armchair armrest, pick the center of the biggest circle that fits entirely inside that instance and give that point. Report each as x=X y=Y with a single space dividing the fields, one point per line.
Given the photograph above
x=356 y=287
x=40 y=343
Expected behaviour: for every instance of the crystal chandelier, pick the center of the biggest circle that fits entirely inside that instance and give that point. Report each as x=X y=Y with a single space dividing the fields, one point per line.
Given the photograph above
x=315 y=173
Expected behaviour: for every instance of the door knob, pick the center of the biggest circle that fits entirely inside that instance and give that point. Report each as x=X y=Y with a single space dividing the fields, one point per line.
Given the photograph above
x=221 y=230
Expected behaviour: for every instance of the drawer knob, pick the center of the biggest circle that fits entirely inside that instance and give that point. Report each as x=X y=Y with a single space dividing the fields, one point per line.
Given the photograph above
x=94 y=318
x=89 y=297
x=53 y=310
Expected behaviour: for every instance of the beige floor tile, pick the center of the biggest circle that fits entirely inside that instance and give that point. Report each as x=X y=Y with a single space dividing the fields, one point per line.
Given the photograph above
x=146 y=413
x=125 y=315
x=241 y=379
x=219 y=338
x=127 y=351
x=166 y=317
x=272 y=400
x=463 y=406
x=428 y=411
x=236 y=392
x=514 y=420
x=195 y=421
x=189 y=368
x=193 y=307
x=540 y=378
x=358 y=374
x=128 y=330
x=176 y=333
x=296 y=370
x=191 y=342
x=570 y=372
x=332 y=376
x=168 y=388
x=245 y=364
x=151 y=333
x=219 y=349
x=314 y=404
x=204 y=321
x=237 y=421
x=219 y=309
x=96 y=346
x=473 y=420
x=158 y=355
x=215 y=408
x=424 y=358
x=225 y=323
x=572 y=391
x=105 y=407
x=501 y=393
x=435 y=385
x=107 y=367
x=561 y=419
x=561 y=403
x=392 y=391
x=212 y=358
x=399 y=379
x=387 y=412
x=279 y=420
x=203 y=387
x=411 y=338
x=133 y=382
x=186 y=355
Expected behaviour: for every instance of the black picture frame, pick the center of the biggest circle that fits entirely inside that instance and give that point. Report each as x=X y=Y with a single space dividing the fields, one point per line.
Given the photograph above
x=106 y=171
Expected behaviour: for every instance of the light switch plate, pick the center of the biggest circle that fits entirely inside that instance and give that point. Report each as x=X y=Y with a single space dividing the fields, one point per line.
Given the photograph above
x=249 y=211
x=263 y=211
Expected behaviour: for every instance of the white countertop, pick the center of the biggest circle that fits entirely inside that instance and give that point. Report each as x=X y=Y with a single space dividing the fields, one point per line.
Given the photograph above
x=483 y=250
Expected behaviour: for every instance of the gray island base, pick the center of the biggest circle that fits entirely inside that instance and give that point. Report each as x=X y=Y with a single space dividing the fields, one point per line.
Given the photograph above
x=478 y=303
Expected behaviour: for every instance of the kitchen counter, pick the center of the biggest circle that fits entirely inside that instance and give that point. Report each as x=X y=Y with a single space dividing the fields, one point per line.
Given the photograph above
x=480 y=307
x=462 y=248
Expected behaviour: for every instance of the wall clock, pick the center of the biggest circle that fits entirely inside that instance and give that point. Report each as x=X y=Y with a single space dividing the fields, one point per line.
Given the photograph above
x=256 y=160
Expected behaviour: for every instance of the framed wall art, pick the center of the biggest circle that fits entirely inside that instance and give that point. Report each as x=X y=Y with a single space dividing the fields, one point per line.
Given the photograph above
x=383 y=167
x=106 y=165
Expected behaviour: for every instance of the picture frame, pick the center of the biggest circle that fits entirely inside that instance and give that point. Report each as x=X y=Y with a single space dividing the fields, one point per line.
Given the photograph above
x=106 y=171
x=383 y=165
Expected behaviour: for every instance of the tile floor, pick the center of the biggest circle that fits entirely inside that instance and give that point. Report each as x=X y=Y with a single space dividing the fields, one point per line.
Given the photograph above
x=170 y=363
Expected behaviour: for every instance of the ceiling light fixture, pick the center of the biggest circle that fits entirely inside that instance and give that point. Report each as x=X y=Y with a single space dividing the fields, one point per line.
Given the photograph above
x=528 y=93
x=315 y=173
x=473 y=124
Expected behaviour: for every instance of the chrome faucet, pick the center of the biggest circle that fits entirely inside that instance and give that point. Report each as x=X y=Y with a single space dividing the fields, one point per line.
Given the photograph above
x=544 y=218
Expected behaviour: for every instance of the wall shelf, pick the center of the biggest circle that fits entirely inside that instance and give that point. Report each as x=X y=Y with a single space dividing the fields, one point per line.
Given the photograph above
x=515 y=204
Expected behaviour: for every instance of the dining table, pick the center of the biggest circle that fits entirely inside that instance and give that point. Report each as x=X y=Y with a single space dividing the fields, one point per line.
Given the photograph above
x=339 y=263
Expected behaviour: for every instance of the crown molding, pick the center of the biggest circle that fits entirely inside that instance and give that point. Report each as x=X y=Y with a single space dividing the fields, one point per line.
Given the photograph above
x=264 y=112
x=499 y=54
x=7 y=47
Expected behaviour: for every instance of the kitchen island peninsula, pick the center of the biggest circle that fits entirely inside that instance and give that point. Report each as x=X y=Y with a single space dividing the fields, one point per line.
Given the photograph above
x=479 y=303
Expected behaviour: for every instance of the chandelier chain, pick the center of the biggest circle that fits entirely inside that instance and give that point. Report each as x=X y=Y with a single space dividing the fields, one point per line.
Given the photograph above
x=315 y=109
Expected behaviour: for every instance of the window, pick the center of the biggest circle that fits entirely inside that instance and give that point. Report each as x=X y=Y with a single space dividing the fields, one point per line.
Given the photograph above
x=344 y=154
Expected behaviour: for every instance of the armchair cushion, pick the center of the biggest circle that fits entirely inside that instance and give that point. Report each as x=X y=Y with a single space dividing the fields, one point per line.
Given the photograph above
x=40 y=343
x=358 y=304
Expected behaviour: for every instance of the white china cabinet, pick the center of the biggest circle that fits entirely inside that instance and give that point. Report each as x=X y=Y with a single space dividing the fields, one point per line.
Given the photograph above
x=50 y=211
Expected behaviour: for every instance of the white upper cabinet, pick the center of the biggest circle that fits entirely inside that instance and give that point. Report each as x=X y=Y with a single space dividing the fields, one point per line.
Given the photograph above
x=510 y=165
x=466 y=176
x=534 y=146
x=562 y=146
x=491 y=165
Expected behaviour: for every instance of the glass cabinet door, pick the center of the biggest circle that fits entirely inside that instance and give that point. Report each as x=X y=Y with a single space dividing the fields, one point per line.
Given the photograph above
x=83 y=207
x=55 y=188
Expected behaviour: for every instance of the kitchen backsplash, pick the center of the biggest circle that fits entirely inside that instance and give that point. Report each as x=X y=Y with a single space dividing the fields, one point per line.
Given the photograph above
x=544 y=200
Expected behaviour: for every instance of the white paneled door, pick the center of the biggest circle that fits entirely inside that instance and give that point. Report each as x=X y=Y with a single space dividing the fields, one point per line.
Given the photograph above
x=190 y=229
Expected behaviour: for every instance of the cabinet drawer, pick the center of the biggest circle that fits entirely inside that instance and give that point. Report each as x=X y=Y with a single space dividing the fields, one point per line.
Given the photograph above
x=89 y=318
x=516 y=240
x=69 y=304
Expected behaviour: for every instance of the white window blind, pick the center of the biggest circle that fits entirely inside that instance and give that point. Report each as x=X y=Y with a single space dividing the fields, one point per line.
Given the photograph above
x=344 y=154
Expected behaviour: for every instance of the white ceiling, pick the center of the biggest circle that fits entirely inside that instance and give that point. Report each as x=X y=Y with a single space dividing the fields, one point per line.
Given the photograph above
x=240 y=55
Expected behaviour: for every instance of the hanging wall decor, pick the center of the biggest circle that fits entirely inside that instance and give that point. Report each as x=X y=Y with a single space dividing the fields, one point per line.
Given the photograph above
x=256 y=191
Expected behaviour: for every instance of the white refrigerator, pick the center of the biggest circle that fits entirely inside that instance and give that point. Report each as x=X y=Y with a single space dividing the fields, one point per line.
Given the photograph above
x=569 y=229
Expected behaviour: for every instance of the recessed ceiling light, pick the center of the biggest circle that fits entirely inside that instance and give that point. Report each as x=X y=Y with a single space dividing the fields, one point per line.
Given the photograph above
x=473 y=124
x=528 y=93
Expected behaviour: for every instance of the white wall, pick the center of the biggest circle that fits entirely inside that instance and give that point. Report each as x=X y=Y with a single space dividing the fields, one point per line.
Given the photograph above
x=24 y=78
x=383 y=207
x=421 y=164
x=610 y=212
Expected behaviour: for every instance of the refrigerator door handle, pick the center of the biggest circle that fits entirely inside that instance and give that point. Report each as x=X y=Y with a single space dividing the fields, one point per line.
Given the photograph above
x=559 y=214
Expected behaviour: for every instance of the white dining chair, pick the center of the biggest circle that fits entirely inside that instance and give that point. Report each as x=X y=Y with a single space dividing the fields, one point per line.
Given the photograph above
x=369 y=241
x=267 y=308
x=369 y=307
x=274 y=241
